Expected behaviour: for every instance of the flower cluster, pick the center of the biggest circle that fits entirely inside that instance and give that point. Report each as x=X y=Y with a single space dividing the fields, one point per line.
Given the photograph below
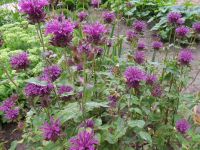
x=141 y=45
x=108 y=17
x=157 y=45
x=34 y=9
x=139 y=57
x=173 y=17
x=82 y=16
x=62 y=31
x=20 y=61
x=151 y=79
x=185 y=57
x=182 y=126
x=134 y=76
x=131 y=35
x=139 y=26
x=51 y=131
x=89 y=123
x=95 y=3
x=8 y=107
x=84 y=140
x=33 y=90
x=64 y=90
x=52 y=72
x=182 y=31
x=95 y=32
x=196 y=27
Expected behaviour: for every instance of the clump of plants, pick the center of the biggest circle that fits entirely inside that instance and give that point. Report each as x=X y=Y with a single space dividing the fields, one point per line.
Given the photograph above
x=91 y=95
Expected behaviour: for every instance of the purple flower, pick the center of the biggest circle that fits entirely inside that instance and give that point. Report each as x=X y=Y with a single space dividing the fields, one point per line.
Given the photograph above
x=180 y=21
x=79 y=67
x=139 y=57
x=134 y=76
x=82 y=16
x=89 y=123
x=34 y=9
x=12 y=114
x=196 y=27
x=173 y=17
x=182 y=31
x=52 y=72
x=182 y=126
x=33 y=90
x=64 y=90
x=131 y=35
x=113 y=100
x=141 y=45
x=139 y=26
x=95 y=32
x=51 y=131
x=62 y=31
x=20 y=61
x=151 y=79
x=84 y=140
x=157 y=45
x=9 y=103
x=84 y=48
x=95 y=3
x=185 y=57
x=98 y=51
x=157 y=91
x=108 y=17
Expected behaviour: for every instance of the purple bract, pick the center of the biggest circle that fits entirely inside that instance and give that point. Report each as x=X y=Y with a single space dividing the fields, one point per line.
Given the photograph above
x=182 y=126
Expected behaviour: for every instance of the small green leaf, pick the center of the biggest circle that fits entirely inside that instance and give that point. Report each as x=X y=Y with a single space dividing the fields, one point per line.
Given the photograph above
x=145 y=136
x=136 y=123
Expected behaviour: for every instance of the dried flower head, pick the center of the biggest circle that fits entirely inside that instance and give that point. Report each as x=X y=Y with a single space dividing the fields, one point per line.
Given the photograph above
x=157 y=91
x=151 y=79
x=89 y=123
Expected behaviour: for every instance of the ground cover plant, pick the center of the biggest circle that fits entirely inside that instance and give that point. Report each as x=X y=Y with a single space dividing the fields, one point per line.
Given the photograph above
x=68 y=82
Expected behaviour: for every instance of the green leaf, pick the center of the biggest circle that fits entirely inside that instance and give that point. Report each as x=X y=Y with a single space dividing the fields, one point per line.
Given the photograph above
x=145 y=136
x=37 y=82
x=92 y=105
x=136 y=123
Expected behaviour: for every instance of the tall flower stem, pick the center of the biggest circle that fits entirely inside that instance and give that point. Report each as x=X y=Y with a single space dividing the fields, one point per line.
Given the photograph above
x=154 y=55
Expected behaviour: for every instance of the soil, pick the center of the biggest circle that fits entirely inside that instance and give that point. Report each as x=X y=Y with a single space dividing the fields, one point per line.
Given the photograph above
x=9 y=132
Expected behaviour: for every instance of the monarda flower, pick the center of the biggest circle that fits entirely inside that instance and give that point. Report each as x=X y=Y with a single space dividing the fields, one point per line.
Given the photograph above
x=95 y=32
x=185 y=57
x=139 y=26
x=34 y=9
x=82 y=16
x=51 y=131
x=33 y=90
x=182 y=31
x=20 y=61
x=182 y=126
x=108 y=17
x=151 y=79
x=8 y=103
x=84 y=140
x=95 y=3
x=62 y=31
x=173 y=17
x=196 y=27
x=131 y=35
x=157 y=45
x=134 y=76
x=64 y=90
x=139 y=57
x=180 y=21
x=141 y=45
x=52 y=72
x=89 y=123
x=12 y=114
